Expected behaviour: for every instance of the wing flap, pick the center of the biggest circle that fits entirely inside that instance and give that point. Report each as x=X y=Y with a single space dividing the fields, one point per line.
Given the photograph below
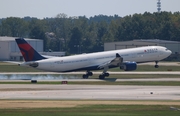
x=115 y=62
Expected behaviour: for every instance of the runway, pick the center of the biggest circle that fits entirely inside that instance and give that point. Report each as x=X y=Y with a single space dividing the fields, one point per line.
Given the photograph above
x=111 y=73
x=88 y=92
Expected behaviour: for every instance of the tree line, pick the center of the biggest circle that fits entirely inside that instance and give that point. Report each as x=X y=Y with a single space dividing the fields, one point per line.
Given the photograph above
x=82 y=35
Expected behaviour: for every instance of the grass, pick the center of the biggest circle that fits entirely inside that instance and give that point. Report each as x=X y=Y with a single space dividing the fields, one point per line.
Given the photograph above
x=16 y=68
x=95 y=110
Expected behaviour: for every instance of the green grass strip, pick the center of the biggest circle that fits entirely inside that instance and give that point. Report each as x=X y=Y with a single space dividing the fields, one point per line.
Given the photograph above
x=96 y=110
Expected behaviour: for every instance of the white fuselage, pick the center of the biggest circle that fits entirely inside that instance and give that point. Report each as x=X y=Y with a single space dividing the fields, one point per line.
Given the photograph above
x=92 y=60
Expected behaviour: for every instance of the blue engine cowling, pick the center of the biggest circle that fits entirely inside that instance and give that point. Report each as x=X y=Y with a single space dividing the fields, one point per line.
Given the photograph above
x=128 y=66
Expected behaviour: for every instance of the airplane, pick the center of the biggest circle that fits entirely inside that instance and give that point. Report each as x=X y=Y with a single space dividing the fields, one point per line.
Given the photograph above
x=125 y=59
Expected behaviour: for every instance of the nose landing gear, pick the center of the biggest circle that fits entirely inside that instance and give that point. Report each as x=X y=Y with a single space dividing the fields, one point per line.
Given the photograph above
x=156 y=65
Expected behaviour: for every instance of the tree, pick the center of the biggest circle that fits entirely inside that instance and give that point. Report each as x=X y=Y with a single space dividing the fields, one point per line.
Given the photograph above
x=82 y=34
x=37 y=31
x=14 y=27
x=75 y=43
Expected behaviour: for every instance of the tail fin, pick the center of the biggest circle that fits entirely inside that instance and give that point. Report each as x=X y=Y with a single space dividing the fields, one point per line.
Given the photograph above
x=28 y=51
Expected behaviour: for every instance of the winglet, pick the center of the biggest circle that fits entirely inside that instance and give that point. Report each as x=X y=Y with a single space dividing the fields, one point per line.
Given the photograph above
x=28 y=52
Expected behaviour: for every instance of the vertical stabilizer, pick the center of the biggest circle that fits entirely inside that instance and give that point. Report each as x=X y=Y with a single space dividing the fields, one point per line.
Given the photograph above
x=28 y=52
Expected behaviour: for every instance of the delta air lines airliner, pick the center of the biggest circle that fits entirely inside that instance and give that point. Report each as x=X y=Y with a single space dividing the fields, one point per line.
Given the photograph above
x=125 y=59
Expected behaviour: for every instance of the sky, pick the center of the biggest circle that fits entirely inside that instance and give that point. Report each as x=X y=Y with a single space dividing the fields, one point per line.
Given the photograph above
x=50 y=8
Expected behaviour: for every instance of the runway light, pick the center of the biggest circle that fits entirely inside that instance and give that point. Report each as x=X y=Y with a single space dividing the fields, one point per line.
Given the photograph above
x=64 y=82
x=33 y=81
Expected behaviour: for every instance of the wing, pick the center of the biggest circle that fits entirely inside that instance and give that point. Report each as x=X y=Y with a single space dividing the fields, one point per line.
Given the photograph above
x=115 y=62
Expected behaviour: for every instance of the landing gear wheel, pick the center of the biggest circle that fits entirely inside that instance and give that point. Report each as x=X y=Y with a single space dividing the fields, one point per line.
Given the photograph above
x=101 y=76
x=85 y=76
x=106 y=74
x=156 y=66
x=89 y=73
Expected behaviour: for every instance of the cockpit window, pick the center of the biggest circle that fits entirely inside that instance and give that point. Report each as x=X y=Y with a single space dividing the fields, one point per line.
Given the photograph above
x=166 y=49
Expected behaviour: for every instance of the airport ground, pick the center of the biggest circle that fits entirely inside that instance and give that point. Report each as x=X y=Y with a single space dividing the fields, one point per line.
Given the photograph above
x=109 y=98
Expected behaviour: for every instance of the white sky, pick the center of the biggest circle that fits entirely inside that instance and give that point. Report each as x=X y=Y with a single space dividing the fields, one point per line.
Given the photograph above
x=50 y=8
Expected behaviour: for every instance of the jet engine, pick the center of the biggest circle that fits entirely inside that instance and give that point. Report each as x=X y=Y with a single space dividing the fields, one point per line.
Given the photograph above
x=128 y=66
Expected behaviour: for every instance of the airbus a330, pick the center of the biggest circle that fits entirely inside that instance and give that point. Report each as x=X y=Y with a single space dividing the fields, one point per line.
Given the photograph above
x=125 y=59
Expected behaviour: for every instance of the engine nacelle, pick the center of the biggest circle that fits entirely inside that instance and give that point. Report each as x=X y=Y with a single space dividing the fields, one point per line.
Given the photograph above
x=128 y=66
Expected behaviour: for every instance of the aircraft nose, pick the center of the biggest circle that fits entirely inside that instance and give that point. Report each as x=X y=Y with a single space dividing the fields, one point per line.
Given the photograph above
x=169 y=52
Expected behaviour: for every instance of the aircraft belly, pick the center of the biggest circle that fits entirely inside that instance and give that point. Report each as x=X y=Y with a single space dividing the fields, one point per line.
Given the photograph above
x=70 y=66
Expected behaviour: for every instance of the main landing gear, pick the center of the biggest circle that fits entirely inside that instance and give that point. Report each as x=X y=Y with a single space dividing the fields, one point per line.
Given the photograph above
x=156 y=65
x=88 y=73
x=102 y=76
